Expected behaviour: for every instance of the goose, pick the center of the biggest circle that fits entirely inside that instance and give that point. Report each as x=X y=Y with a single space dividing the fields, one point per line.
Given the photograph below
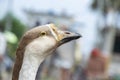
x=35 y=45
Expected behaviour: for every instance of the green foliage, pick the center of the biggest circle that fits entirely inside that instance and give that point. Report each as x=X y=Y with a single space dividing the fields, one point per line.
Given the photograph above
x=17 y=27
x=2 y=24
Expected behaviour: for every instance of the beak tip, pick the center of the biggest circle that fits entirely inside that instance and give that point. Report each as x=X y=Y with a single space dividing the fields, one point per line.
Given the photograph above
x=78 y=35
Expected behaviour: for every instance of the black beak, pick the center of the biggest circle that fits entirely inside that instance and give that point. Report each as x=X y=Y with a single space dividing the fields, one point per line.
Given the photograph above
x=69 y=36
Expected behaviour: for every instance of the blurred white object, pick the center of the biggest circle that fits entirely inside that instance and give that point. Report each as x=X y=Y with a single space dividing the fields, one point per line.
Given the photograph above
x=66 y=55
x=3 y=44
x=11 y=37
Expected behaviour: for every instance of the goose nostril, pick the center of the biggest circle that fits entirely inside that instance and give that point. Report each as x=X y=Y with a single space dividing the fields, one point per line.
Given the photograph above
x=67 y=32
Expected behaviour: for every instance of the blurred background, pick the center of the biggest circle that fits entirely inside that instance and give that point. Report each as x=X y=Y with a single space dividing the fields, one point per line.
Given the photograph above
x=95 y=56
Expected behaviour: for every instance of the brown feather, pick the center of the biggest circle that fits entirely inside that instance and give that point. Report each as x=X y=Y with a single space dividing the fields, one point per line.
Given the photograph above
x=26 y=39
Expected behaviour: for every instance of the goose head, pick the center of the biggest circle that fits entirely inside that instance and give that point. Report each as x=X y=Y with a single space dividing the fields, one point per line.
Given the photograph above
x=47 y=39
x=35 y=45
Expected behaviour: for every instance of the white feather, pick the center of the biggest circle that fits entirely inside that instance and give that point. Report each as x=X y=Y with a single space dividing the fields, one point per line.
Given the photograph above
x=34 y=55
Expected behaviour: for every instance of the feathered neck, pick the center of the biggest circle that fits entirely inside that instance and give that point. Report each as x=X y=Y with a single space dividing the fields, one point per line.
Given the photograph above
x=26 y=39
x=30 y=66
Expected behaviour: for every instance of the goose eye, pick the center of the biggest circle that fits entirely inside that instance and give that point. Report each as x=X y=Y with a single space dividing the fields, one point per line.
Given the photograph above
x=43 y=34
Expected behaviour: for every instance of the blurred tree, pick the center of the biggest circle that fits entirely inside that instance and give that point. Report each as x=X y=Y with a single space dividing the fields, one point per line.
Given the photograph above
x=104 y=5
x=16 y=27
x=108 y=9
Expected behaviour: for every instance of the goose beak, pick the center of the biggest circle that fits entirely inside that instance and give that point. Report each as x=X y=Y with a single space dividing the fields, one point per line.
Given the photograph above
x=66 y=36
x=63 y=36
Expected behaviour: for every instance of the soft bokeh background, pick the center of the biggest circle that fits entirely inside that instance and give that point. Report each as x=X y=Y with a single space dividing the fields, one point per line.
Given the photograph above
x=96 y=20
